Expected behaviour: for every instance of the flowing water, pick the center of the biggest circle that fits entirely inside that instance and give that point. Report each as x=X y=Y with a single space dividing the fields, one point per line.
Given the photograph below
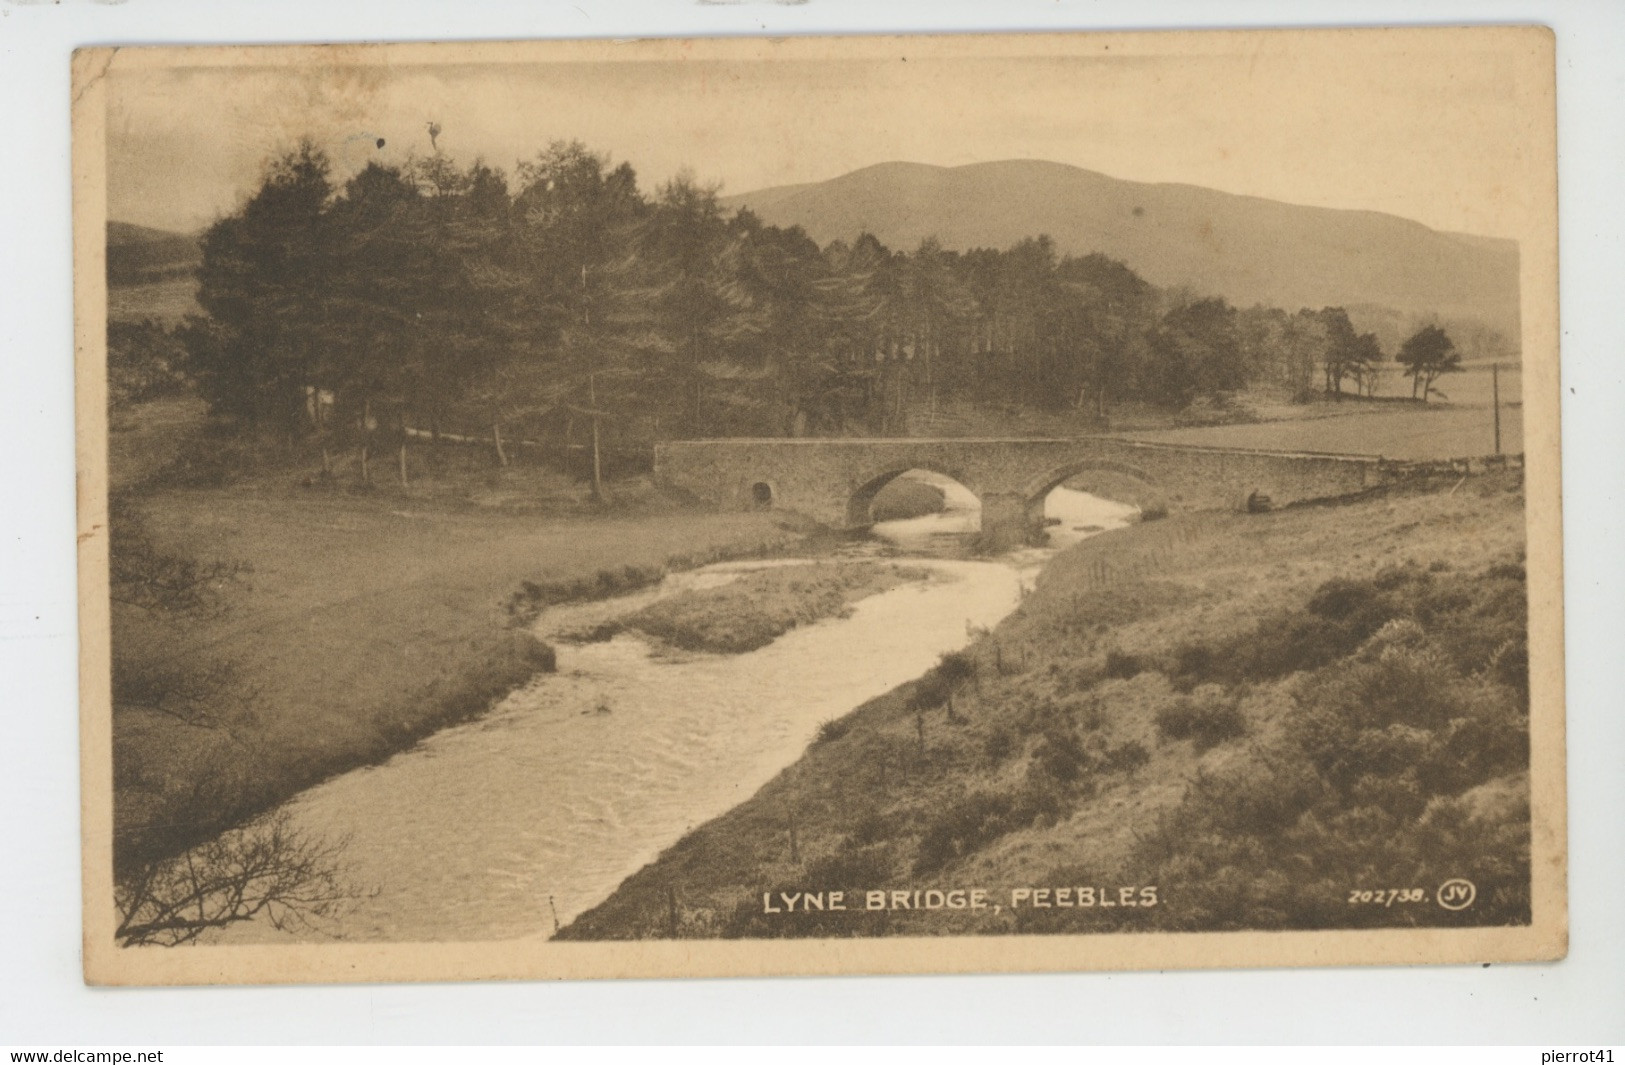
x=502 y=827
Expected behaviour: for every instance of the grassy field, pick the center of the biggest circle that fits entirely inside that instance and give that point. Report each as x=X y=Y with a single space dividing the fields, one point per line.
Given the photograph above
x=1458 y=422
x=1257 y=716
x=1471 y=386
x=345 y=624
x=167 y=301
x=1437 y=431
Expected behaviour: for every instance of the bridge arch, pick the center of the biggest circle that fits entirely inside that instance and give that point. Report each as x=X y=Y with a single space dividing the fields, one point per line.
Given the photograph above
x=1029 y=505
x=1037 y=488
x=862 y=498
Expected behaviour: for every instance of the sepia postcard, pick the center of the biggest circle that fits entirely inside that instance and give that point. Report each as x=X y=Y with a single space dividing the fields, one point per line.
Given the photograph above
x=819 y=505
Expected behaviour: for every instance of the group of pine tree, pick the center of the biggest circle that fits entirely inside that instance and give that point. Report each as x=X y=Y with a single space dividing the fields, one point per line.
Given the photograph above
x=449 y=299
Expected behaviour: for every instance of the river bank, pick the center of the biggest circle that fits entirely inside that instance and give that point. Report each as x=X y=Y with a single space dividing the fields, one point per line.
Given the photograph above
x=345 y=627
x=1175 y=708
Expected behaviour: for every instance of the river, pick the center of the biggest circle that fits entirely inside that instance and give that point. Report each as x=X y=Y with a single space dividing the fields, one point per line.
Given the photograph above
x=510 y=825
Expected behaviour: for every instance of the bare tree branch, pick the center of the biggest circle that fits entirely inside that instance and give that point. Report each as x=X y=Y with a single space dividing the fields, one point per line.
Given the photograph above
x=268 y=867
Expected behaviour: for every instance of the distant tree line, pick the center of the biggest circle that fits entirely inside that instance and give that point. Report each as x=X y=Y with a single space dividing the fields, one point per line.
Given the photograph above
x=439 y=297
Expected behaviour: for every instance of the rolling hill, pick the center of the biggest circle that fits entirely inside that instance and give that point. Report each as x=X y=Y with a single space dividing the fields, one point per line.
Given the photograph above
x=142 y=255
x=1247 y=249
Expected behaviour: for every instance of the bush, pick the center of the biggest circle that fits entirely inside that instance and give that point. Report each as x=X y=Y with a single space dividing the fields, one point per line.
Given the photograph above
x=1389 y=684
x=1206 y=717
x=967 y=825
x=999 y=744
x=1257 y=800
x=957 y=667
x=930 y=692
x=981 y=818
x=532 y=598
x=1126 y=757
x=537 y=654
x=1343 y=599
x=1405 y=762
x=1470 y=616
x=1061 y=757
x=939 y=683
x=1193 y=663
x=871 y=828
x=1510 y=666
x=831 y=730
x=1123 y=666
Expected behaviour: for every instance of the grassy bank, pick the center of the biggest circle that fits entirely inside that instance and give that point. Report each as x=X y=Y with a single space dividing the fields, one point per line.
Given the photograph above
x=1259 y=716
x=760 y=607
x=340 y=626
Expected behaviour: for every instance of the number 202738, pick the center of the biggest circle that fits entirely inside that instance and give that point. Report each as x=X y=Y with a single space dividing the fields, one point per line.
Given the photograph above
x=1385 y=896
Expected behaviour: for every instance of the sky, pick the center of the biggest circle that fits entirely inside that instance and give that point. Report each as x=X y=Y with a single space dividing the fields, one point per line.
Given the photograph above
x=1427 y=134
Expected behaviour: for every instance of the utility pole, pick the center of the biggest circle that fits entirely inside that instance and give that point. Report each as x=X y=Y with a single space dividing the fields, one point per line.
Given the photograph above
x=597 y=470
x=592 y=393
x=1495 y=392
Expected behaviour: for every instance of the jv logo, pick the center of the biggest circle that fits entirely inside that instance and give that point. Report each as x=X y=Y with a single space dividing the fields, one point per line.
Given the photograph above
x=1456 y=894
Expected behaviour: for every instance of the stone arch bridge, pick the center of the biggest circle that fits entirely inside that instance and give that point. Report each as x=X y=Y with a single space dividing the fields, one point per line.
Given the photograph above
x=834 y=480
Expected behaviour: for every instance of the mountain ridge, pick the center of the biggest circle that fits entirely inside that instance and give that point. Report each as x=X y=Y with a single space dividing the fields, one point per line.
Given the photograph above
x=1249 y=249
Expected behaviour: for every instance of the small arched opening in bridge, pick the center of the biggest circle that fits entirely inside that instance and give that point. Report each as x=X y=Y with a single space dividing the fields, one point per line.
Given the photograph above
x=915 y=505
x=761 y=495
x=1079 y=500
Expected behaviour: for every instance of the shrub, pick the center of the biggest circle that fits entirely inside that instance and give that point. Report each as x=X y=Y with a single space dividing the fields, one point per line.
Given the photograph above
x=1126 y=757
x=979 y=819
x=1122 y=666
x=1509 y=665
x=1060 y=756
x=999 y=743
x=1257 y=799
x=537 y=654
x=957 y=667
x=1290 y=643
x=831 y=730
x=1206 y=717
x=1406 y=761
x=1389 y=684
x=930 y=692
x=532 y=597
x=965 y=826
x=940 y=682
x=1344 y=599
x=1194 y=663
x=871 y=828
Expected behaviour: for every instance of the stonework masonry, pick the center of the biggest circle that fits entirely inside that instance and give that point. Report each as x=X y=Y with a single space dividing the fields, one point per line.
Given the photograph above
x=834 y=480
